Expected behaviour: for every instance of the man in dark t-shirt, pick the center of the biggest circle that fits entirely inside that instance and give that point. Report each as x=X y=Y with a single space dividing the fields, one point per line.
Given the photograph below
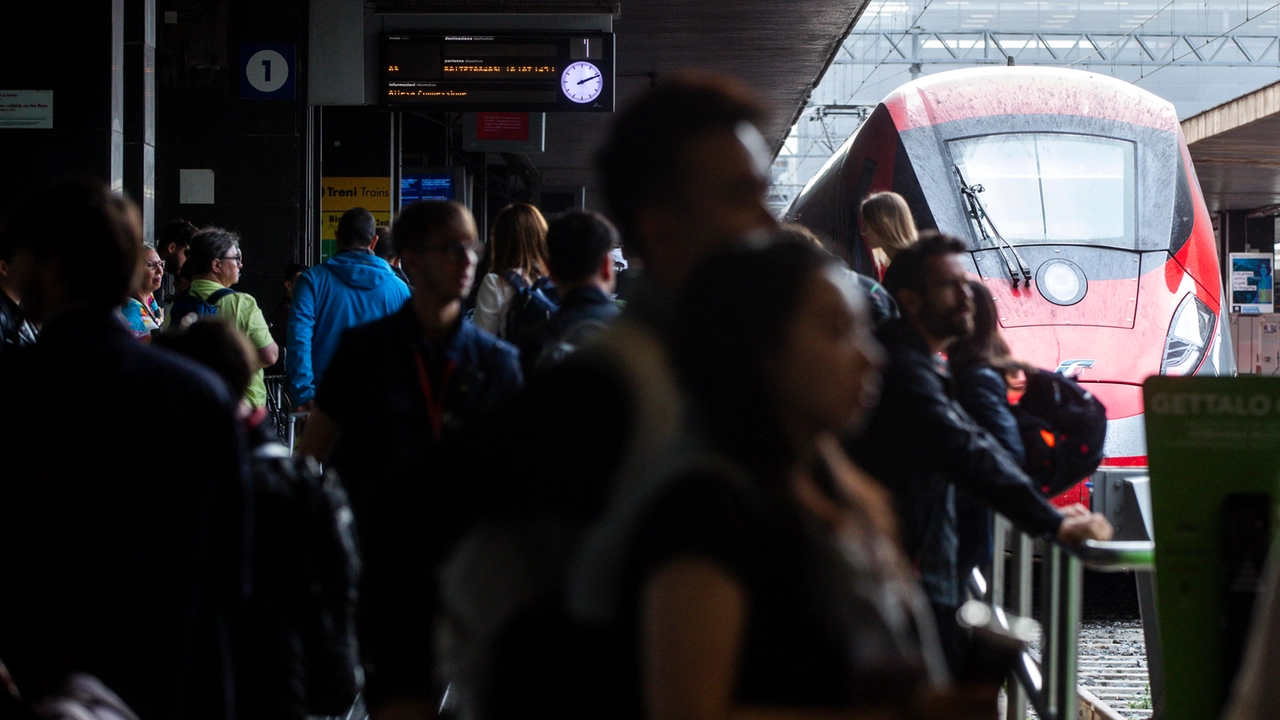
x=396 y=391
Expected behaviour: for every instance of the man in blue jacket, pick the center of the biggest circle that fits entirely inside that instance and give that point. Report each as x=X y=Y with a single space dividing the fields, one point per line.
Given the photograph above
x=355 y=287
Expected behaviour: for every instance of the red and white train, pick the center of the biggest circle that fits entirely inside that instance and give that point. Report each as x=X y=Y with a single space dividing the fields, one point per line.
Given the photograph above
x=1104 y=264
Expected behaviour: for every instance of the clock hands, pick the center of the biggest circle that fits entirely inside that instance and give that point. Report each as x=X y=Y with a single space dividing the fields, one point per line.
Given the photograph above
x=593 y=77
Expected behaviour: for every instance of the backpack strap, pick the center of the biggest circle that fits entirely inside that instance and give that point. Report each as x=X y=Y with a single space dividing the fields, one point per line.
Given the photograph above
x=217 y=295
x=516 y=281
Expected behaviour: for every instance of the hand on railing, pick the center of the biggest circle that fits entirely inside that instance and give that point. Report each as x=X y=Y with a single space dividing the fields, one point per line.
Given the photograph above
x=1080 y=525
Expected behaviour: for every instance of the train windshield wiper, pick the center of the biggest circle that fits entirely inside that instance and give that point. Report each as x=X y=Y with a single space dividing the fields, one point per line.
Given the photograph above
x=978 y=212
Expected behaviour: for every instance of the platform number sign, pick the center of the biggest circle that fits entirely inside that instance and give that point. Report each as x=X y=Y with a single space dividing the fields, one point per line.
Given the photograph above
x=268 y=70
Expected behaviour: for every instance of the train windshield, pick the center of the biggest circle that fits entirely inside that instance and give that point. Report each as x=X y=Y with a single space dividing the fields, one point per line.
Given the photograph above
x=1053 y=187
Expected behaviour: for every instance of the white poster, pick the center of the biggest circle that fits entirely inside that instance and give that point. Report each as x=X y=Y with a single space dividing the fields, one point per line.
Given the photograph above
x=32 y=109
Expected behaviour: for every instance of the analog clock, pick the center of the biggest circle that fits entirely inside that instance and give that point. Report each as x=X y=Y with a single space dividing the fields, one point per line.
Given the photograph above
x=582 y=82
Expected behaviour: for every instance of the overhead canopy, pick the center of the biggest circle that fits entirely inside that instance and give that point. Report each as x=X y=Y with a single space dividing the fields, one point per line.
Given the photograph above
x=780 y=47
x=1236 y=151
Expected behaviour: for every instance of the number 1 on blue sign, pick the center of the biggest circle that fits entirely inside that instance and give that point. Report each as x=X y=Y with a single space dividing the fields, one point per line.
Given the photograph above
x=266 y=68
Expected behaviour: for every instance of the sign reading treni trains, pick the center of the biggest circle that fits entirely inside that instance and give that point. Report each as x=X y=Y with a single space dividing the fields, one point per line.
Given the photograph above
x=547 y=72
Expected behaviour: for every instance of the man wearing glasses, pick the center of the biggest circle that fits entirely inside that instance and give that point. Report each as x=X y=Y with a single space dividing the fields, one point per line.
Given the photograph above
x=216 y=258
x=397 y=392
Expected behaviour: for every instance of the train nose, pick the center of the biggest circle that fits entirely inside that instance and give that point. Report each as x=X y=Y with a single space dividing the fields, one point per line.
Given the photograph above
x=1074 y=285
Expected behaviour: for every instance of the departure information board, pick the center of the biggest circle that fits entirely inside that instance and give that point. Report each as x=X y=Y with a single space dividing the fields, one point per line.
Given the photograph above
x=545 y=72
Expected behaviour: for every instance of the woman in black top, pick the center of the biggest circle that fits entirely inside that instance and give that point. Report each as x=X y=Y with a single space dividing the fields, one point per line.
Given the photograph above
x=760 y=578
x=980 y=365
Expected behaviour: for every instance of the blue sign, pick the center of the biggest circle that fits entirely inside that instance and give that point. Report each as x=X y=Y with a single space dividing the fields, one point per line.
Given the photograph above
x=426 y=186
x=268 y=70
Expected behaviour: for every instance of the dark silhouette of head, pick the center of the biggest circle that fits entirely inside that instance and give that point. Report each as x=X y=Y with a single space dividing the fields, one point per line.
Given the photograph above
x=87 y=258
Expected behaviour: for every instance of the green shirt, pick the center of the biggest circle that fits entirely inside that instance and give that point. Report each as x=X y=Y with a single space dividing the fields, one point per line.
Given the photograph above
x=242 y=310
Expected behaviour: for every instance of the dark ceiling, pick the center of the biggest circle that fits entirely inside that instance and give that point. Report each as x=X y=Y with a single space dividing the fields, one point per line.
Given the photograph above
x=780 y=47
x=1236 y=151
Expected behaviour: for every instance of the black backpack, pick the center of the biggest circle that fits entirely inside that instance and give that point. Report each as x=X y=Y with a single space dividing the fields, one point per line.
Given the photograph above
x=532 y=306
x=307 y=571
x=1063 y=427
x=556 y=351
x=188 y=303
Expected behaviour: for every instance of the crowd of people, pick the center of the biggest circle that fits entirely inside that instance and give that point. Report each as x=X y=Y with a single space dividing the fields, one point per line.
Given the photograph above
x=734 y=494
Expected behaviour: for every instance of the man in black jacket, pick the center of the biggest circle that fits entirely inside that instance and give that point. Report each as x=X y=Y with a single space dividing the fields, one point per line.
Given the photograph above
x=125 y=556
x=921 y=444
x=578 y=247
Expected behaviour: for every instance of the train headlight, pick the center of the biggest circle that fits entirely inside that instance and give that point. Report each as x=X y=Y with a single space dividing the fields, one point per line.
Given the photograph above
x=1189 y=336
x=1061 y=282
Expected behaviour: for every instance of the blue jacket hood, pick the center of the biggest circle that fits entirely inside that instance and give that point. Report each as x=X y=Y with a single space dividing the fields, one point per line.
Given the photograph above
x=360 y=270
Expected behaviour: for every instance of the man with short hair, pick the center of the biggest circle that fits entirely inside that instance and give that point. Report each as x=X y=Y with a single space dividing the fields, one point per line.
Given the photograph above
x=396 y=393
x=579 y=248
x=684 y=172
x=352 y=288
x=280 y=316
x=172 y=245
x=922 y=444
x=129 y=566
x=385 y=248
x=216 y=262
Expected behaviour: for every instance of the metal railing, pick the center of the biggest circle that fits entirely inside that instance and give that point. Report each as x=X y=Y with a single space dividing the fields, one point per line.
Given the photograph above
x=1048 y=683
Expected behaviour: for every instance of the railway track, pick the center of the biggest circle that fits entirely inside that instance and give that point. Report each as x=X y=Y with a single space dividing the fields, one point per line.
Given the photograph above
x=1112 y=667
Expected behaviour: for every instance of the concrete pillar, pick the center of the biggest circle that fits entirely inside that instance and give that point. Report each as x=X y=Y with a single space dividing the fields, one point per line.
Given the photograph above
x=140 y=109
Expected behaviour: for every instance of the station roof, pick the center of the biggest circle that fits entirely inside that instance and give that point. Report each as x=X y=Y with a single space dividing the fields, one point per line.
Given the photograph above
x=1236 y=150
x=780 y=47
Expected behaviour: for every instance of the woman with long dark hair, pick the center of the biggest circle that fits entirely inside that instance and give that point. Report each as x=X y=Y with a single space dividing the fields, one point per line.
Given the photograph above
x=981 y=366
x=760 y=576
x=517 y=253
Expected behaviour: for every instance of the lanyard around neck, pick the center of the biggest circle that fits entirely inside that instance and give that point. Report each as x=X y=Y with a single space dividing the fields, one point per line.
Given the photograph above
x=435 y=405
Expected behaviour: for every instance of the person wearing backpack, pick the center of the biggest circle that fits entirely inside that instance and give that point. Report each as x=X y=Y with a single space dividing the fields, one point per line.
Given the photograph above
x=517 y=271
x=216 y=261
x=295 y=644
x=579 y=244
x=923 y=445
x=979 y=362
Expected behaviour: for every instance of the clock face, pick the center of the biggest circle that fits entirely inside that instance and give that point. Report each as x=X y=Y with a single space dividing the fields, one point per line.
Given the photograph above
x=582 y=82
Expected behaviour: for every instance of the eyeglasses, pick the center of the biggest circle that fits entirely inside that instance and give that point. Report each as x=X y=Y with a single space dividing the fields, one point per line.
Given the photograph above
x=238 y=259
x=472 y=248
x=155 y=264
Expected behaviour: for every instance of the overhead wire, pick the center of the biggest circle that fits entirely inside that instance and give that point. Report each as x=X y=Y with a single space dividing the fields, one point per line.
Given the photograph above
x=890 y=52
x=1122 y=37
x=1206 y=43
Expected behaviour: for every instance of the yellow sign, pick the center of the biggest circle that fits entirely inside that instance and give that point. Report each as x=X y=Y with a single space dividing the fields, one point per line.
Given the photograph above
x=340 y=194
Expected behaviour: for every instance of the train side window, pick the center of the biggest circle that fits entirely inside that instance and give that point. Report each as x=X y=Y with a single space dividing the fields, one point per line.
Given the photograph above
x=1184 y=213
